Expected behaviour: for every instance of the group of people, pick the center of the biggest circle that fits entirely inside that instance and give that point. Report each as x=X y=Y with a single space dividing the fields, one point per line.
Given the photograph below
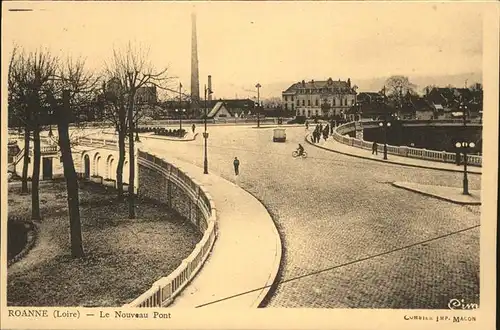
x=320 y=130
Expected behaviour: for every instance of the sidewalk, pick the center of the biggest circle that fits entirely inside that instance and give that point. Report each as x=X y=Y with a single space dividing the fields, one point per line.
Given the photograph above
x=247 y=253
x=332 y=145
x=450 y=194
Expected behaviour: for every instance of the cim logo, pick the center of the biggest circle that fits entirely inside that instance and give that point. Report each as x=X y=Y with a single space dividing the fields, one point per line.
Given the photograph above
x=461 y=304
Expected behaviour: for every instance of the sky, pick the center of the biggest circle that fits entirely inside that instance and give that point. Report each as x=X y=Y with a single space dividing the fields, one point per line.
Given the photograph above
x=272 y=43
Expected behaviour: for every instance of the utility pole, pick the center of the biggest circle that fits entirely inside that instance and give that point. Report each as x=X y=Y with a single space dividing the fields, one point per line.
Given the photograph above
x=258 y=104
x=205 y=133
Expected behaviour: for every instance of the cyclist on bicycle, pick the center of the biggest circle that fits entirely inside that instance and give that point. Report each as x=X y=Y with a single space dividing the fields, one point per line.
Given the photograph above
x=300 y=150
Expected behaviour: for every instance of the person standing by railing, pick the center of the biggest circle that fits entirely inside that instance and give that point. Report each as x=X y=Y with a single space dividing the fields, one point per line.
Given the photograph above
x=374 y=148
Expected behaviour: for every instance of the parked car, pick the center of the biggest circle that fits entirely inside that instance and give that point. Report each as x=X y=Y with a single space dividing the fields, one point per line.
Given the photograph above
x=279 y=135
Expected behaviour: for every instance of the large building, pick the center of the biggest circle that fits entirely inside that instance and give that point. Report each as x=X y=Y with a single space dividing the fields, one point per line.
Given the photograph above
x=319 y=98
x=146 y=95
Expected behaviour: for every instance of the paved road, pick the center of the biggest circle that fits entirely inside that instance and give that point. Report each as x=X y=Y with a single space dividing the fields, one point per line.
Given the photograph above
x=337 y=213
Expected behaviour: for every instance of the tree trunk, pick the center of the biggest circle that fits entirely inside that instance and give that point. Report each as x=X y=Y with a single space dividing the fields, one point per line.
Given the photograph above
x=131 y=156
x=71 y=179
x=121 y=161
x=26 y=157
x=35 y=178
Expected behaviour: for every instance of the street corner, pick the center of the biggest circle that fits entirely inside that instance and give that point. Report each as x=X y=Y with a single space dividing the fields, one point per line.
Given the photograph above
x=455 y=195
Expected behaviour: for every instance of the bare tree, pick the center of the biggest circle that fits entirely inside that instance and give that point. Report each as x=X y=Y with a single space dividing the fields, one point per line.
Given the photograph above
x=31 y=78
x=476 y=87
x=427 y=89
x=19 y=115
x=397 y=87
x=272 y=102
x=75 y=86
x=113 y=99
x=133 y=70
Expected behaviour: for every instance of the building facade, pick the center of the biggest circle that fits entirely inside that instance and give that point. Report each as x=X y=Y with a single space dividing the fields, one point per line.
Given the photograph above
x=146 y=95
x=219 y=111
x=237 y=107
x=319 y=98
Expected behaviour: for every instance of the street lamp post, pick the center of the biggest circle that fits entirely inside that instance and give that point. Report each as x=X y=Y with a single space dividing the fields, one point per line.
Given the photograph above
x=180 y=106
x=205 y=134
x=258 y=86
x=358 y=107
x=50 y=123
x=180 y=111
x=463 y=147
x=385 y=125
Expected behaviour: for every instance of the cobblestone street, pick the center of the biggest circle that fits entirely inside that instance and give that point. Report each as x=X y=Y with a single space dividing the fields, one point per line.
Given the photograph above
x=333 y=210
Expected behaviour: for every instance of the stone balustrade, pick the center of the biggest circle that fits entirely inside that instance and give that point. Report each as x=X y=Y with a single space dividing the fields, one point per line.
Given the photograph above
x=339 y=135
x=167 y=183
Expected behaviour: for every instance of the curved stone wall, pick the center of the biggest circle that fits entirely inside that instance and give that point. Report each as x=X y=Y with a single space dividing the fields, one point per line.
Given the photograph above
x=167 y=183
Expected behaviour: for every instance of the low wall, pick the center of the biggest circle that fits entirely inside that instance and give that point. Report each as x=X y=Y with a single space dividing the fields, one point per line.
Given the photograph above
x=186 y=123
x=433 y=155
x=31 y=237
x=168 y=184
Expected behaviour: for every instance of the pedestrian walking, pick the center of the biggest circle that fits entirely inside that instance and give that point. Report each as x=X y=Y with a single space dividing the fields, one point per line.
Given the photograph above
x=193 y=128
x=236 y=164
x=307 y=125
x=374 y=148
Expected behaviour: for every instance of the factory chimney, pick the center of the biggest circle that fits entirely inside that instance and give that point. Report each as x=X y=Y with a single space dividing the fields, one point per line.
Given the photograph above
x=210 y=87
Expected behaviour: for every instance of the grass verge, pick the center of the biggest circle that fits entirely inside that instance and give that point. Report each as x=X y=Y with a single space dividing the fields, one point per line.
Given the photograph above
x=122 y=257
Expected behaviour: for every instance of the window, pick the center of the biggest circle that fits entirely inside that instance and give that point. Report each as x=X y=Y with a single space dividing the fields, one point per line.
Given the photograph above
x=317 y=102
x=334 y=102
x=298 y=102
x=292 y=98
x=345 y=102
x=303 y=102
x=309 y=102
x=286 y=98
x=286 y=106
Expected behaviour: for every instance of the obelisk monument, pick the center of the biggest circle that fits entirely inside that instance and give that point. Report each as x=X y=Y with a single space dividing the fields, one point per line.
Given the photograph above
x=195 y=80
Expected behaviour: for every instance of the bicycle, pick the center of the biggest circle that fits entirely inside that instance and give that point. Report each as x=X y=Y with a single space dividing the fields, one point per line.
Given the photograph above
x=295 y=154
